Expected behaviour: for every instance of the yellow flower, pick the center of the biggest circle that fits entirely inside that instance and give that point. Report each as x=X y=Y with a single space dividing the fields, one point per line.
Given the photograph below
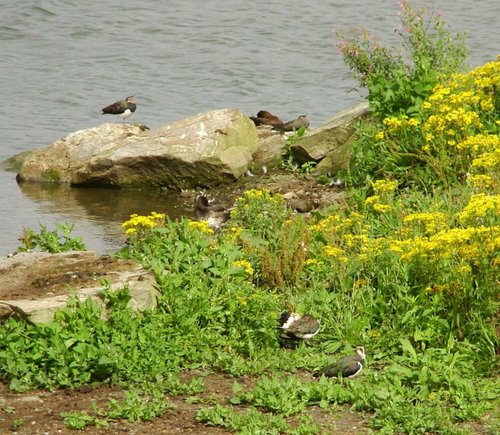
x=245 y=265
x=241 y=300
x=312 y=261
x=333 y=251
x=374 y=199
x=479 y=206
x=481 y=181
x=379 y=135
x=487 y=160
x=486 y=103
x=382 y=208
x=464 y=270
x=137 y=222
x=201 y=226
x=386 y=186
x=432 y=222
x=413 y=122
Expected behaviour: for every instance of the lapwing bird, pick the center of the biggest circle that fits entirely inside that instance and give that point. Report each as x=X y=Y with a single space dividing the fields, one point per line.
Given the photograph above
x=349 y=366
x=293 y=125
x=215 y=215
x=297 y=328
x=266 y=118
x=124 y=108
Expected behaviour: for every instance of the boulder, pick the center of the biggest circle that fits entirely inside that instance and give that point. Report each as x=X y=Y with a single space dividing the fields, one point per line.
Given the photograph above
x=330 y=144
x=200 y=151
x=33 y=286
x=270 y=148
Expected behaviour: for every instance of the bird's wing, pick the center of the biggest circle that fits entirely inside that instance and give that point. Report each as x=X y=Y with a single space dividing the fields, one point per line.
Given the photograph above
x=116 y=108
x=347 y=366
x=304 y=325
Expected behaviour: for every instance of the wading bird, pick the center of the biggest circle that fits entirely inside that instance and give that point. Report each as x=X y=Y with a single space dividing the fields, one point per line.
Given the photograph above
x=349 y=366
x=124 y=108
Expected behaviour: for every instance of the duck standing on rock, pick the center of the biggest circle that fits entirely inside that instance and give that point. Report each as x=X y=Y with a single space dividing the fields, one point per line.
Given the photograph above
x=124 y=108
x=266 y=118
x=349 y=366
x=297 y=328
x=215 y=215
x=294 y=124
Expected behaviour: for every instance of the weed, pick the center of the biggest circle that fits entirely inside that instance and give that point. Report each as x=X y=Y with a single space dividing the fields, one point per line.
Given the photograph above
x=396 y=86
x=10 y=410
x=138 y=405
x=288 y=159
x=57 y=240
x=81 y=420
x=16 y=424
x=248 y=422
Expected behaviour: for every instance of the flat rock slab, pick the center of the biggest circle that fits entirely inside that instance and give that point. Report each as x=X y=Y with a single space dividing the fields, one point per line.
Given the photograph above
x=203 y=150
x=34 y=285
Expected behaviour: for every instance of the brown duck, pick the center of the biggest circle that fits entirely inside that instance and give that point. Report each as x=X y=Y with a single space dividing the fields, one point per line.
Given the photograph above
x=266 y=118
x=215 y=215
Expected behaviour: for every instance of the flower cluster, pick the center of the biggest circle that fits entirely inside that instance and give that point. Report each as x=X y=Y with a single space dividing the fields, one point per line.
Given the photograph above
x=429 y=222
x=201 y=226
x=460 y=244
x=461 y=107
x=245 y=265
x=395 y=124
x=138 y=223
x=481 y=208
x=381 y=201
x=260 y=212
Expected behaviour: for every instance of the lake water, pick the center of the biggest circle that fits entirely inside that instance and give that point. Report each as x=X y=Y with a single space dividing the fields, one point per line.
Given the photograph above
x=61 y=61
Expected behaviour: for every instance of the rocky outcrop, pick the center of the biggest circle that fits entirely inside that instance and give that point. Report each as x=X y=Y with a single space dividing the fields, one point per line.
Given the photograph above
x=329 y=145
x=204 y=150
x=33 y=286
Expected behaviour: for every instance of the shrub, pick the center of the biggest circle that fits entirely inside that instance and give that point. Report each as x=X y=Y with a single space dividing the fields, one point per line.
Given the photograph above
x=397 y=86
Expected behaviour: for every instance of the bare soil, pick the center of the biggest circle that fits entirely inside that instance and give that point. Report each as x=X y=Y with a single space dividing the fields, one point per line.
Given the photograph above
x=38 y=412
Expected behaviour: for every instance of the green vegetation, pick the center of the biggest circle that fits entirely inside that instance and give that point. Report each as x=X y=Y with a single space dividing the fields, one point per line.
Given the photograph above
x=407 y=266
x=399 y=81
x=57 y=240
x=288 y=161
x=52 y=175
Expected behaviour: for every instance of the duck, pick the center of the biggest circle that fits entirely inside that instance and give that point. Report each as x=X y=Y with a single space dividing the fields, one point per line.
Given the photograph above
x=349 y=366
x=297 y=328
x=266 y=118
x=294 y=124
x=124 y=108
x=215 y=215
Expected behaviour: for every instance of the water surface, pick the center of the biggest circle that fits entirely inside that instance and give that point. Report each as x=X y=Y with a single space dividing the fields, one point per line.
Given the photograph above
x=62 y=61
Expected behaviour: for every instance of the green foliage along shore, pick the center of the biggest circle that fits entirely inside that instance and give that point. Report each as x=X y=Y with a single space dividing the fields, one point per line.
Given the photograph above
x=407 y=266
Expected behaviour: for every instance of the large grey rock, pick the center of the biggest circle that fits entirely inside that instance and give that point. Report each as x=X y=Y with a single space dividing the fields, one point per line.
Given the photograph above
x=203 y=150
x=330 y=144
x=33 y=286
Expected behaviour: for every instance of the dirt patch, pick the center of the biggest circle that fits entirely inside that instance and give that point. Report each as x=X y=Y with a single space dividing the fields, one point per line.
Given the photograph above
x=38 y=412
x=302 y=192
